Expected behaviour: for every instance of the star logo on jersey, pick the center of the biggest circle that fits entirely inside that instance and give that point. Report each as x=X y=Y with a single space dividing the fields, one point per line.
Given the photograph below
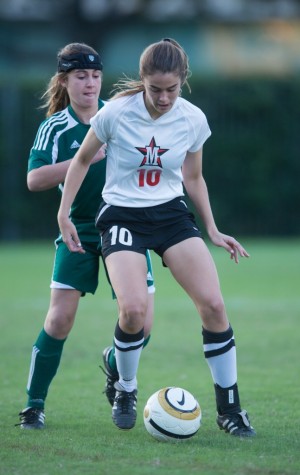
x=151 y=154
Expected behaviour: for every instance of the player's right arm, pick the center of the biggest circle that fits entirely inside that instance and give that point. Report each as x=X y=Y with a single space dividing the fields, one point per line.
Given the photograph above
x=49 y=176
x=76 y=173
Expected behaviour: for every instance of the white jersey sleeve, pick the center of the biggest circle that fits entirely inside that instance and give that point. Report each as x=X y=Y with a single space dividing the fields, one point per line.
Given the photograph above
x=199 y=129
x=103 y=123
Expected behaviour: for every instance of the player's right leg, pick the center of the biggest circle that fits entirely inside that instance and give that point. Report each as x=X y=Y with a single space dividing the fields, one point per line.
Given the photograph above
x=46 y=355
x=108 y=354
x=71 y=272
x=128 y=271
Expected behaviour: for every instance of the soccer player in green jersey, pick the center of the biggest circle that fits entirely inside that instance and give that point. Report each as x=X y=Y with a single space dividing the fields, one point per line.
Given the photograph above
x=71 y=100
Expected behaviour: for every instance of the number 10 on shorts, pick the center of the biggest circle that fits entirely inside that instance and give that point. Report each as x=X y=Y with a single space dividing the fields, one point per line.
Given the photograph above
x=120 y=235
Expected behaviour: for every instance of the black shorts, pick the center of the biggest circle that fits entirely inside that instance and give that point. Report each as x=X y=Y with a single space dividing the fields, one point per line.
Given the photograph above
x=138 y=229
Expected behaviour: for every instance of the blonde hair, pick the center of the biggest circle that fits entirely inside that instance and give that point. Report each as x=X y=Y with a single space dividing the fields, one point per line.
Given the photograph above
x=56 y=97
x=165 y=56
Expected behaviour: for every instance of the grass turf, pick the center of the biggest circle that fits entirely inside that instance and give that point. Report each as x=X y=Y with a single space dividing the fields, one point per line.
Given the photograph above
x=263 y=303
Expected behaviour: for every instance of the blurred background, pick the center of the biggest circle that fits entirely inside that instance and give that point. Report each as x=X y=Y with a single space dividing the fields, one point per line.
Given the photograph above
x=245 y=60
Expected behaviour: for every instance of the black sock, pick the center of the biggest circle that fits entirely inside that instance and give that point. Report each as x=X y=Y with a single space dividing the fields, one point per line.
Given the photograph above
x=227 y=399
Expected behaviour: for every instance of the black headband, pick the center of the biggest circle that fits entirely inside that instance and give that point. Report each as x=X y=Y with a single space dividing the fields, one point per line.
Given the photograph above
x=79 y=61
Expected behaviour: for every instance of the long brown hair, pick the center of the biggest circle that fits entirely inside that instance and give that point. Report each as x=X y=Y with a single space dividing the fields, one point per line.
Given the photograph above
x=56 y=97
x=165 y=56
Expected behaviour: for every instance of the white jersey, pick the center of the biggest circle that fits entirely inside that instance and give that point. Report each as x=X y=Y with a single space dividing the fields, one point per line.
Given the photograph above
x=145 y=156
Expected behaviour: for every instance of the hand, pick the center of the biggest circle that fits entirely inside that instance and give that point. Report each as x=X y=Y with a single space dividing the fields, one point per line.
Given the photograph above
x=69 y=235
x=100 y=154
x=230 y=244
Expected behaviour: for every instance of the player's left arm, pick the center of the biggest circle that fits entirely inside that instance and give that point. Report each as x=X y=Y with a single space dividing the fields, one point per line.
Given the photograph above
x=196 y=188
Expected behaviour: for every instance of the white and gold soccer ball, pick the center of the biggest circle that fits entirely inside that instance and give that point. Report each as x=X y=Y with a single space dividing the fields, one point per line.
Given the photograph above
x=172 y=415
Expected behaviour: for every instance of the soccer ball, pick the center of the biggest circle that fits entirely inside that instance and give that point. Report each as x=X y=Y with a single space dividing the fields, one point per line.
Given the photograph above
x=172 y=415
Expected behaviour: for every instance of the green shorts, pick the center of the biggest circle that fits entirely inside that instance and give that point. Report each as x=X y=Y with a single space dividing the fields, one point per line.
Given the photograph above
x=72 y=270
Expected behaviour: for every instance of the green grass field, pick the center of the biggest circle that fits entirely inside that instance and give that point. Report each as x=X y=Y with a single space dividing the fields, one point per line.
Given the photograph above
x=262 y=296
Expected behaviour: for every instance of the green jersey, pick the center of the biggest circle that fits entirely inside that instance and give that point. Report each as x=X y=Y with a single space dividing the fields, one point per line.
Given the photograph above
x=58 y=139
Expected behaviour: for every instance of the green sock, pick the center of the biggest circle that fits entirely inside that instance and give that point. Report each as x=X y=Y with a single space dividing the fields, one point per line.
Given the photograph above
x=146 y=341
x=112 y=358
x=45 y=359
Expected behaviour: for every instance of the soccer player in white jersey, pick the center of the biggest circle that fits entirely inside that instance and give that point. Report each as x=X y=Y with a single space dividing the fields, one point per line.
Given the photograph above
x=154 y=146
x=71 y=99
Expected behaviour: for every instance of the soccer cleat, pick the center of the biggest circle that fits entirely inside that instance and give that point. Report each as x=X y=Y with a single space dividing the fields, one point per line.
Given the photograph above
x=236 y=424
x=111 y=377
x=32 y=418
x=124 y=408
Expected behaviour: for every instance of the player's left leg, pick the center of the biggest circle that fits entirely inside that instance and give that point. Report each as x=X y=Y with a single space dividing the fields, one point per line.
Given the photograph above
x=187 y=261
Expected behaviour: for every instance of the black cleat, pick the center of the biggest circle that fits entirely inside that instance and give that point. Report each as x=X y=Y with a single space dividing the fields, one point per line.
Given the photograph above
x=111 y=377
x=32 y=418
x=124 y=408
x=236 y=424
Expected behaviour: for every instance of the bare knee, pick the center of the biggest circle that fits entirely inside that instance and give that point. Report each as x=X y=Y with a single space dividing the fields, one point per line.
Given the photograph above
x=213 y=314
x=132 y=316
x=59 y=324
